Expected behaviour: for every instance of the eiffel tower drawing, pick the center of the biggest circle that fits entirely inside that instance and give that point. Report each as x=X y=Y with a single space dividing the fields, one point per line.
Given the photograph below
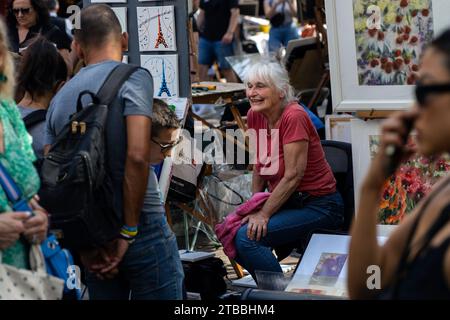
x=160 y=39
x=164 y=88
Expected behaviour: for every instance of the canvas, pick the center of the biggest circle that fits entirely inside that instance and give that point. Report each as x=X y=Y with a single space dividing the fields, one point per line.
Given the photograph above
x=338 y=127
x=409 y=184
x=156 y=27
x=324 y=266
x=328 y=269
x=403 y=190
x=374 y=48
x=390 y=41
x=164 y=70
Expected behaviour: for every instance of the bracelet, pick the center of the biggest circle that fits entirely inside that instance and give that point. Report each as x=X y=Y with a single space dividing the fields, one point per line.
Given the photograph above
x=131 y=229
x=128 y=233
x=129 y=239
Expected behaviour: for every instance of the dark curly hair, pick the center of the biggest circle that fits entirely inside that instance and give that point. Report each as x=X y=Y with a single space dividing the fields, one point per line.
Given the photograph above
x=42 y=68
x=40 y=6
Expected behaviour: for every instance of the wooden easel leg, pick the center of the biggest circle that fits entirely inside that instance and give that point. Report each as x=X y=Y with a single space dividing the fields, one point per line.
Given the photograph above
x=237 y=268
x=238 y=118
x=323 y=82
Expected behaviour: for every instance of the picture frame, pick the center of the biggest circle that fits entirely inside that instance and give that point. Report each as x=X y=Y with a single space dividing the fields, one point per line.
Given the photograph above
x=360 y=132
x=324 y=265
x=408 y=186
x=349 y=92
x=338 y=127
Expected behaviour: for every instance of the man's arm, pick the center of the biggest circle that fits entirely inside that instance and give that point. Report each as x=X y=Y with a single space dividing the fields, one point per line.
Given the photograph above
x=134 y=187
x=232 y=25
x=136 y=167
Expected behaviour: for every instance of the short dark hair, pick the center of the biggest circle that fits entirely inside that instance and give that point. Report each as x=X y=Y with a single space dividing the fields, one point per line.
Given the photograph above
x=42 y=68
x=43 y=16
x=163 y=117
x=442 y=44
x=51 y=4
x=98 y=24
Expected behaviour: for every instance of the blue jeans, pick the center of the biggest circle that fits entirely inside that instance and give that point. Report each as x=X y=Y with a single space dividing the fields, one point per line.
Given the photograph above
x=279 y=37
x=210 y=51
x=150 y=270
x=286 y=227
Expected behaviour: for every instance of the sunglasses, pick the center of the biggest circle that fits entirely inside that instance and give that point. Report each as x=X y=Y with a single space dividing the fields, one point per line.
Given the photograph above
x=167 y=147
x=24 y=11
x=423 y=91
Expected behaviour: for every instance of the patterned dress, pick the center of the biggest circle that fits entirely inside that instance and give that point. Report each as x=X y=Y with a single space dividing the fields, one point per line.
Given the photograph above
x=18 y=159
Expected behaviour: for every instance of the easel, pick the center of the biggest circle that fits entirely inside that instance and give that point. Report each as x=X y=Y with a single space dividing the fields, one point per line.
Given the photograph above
x=209 y=219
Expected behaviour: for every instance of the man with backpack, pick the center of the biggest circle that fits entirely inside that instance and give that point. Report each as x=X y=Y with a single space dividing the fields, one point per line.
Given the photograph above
x=95 y=175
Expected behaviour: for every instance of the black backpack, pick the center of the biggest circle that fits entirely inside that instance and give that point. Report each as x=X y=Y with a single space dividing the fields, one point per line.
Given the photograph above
x=75 y=188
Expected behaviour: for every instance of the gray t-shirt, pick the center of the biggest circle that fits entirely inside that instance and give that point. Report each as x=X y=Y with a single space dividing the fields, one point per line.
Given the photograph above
x=37 y=131
x=134 y=98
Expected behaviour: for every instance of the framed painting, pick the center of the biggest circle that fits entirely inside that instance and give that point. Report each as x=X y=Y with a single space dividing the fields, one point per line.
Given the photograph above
x=375 y=48
x=324 y=266
x=412 y=181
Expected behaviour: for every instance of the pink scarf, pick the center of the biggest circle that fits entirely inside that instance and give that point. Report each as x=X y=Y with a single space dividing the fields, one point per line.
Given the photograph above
x=226 y=231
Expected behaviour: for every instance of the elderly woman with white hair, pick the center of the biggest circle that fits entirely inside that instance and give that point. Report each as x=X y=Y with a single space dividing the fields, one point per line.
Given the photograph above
x=293 y=168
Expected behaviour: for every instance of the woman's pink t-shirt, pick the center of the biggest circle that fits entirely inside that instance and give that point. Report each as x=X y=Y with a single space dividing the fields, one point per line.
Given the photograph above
x=294 y=125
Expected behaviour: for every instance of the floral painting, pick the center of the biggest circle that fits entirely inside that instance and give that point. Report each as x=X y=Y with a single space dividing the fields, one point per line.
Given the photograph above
x=409 y=184
x=390 y=37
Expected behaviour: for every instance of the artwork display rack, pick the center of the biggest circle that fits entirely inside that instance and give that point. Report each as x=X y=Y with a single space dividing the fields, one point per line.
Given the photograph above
x=182 y=71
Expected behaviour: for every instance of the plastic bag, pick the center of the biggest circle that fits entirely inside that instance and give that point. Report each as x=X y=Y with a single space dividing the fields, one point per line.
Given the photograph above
x=225 y=190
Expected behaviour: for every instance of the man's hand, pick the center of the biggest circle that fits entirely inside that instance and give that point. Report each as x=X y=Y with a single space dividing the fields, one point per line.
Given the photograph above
x=97 y=259
x=11 y=226
x=257 y=225
x=227 y=38
x=115 y=252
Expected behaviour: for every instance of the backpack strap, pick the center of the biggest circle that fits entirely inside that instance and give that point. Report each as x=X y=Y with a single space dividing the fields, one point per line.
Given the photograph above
x=114 y=82
x=34 y=118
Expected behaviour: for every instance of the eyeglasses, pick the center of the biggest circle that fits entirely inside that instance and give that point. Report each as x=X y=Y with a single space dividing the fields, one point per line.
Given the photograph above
x=423 y=91
x=167 y=147
x=24 y=11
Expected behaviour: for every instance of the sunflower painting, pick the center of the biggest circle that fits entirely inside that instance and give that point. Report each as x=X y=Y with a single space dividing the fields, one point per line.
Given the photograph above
x=409 y=184
x=390 y=37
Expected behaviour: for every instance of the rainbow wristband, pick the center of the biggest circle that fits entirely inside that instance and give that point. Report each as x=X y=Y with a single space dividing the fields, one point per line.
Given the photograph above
x=131 y=229
x=129 y=232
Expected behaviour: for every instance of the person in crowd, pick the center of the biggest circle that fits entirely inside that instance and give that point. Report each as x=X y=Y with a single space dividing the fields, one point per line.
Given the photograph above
x=28 y=18
x=17 y=229
x=43 y=72
x=127 y=264
x=282 y=28
x=217 y=22
x=63 y=24
x=291 y=164
x=415 y=260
